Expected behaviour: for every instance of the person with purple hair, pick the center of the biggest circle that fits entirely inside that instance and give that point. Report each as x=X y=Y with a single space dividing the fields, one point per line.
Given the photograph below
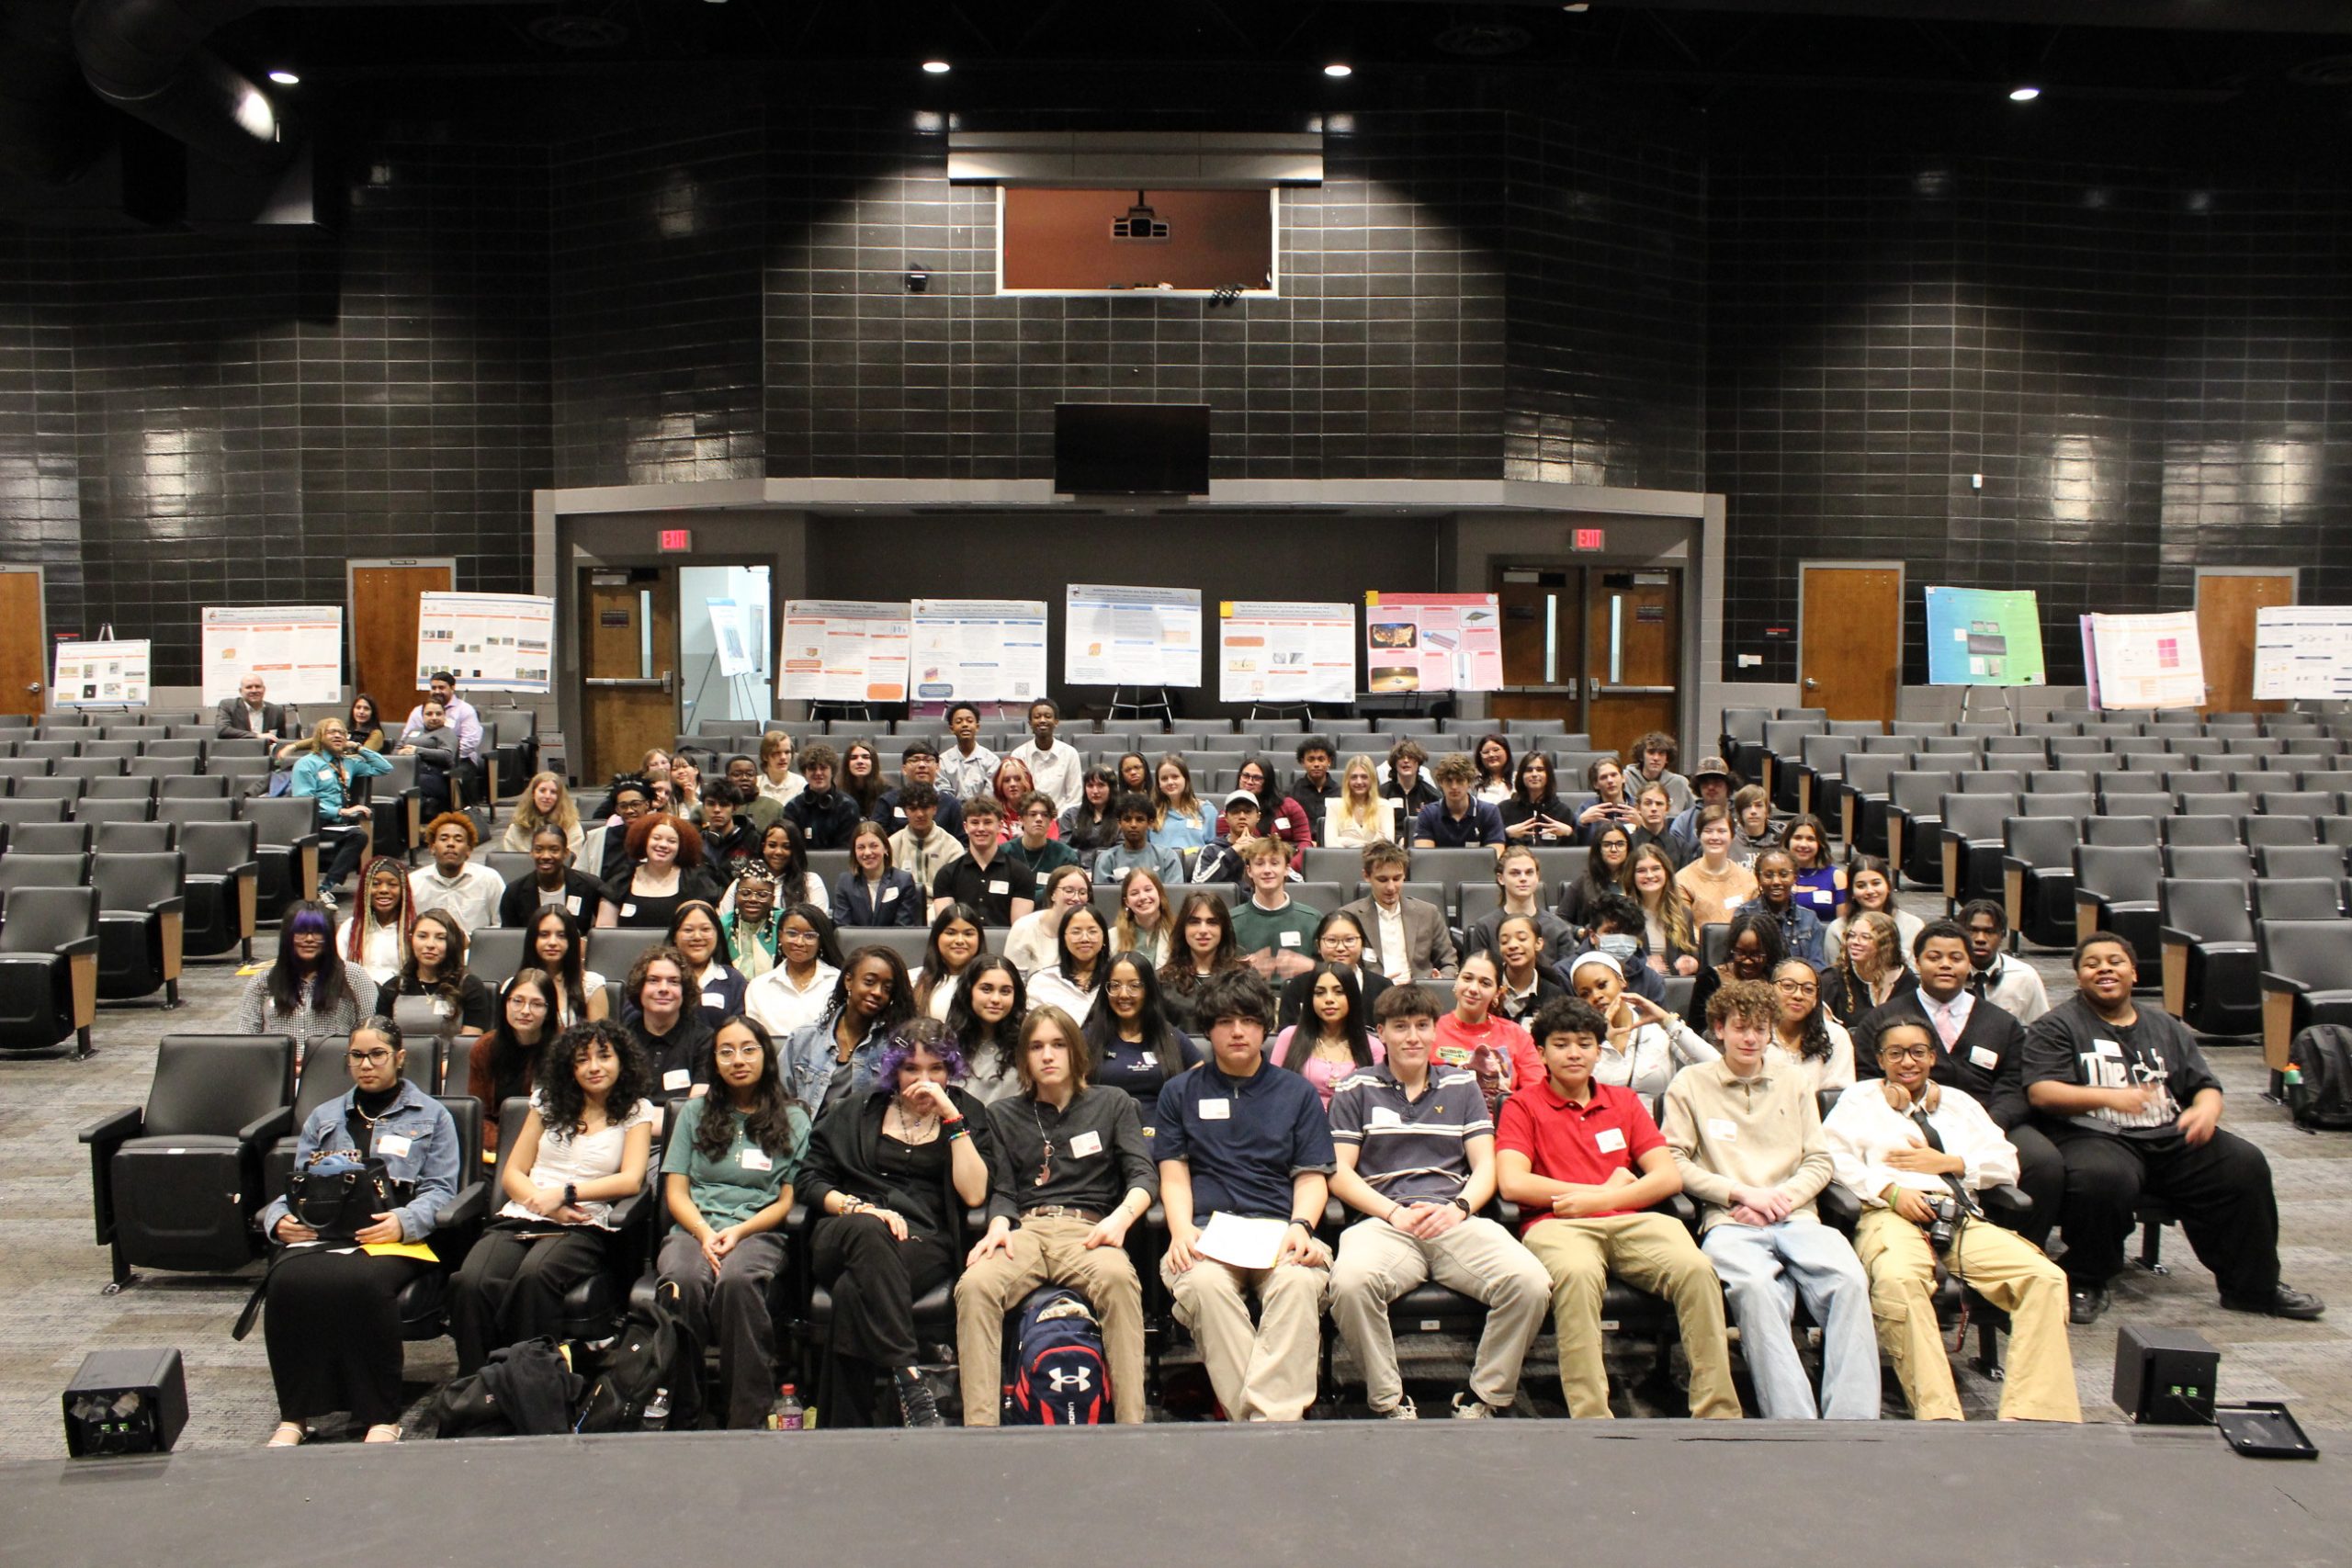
x=890 y=1170
x=310 y=992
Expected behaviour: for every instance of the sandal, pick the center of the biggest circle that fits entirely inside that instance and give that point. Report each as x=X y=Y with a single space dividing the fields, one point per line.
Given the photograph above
x=289 y=1434
x=382 y=1432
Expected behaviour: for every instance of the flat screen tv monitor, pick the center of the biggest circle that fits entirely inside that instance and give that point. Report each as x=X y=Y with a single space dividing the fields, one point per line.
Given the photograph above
x=1131 y=448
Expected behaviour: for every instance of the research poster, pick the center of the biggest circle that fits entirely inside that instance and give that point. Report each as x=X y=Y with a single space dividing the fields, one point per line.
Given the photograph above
x=100 y=675
x=2146 y=661
x=1432 y=642
x=844 y=650
x=297 y=650
x=2303 y=653
x=1980 y=637
x=730 y=635
x=491 y=642
x=1131 y=637
x=1281 y=651
x=979 y=650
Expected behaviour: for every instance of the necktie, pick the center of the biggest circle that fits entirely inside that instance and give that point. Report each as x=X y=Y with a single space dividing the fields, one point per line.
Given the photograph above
x=1947 y=1026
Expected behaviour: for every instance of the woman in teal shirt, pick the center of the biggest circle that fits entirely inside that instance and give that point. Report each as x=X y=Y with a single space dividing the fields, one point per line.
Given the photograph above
x=727 y=1175
x=331 y=761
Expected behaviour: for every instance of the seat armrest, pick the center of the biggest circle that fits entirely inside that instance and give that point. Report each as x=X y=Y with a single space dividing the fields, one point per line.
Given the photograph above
x=1507 y=1214
x=2274 y=981
x=470 y=1207
x=1839 y=1207
x=104 y=1136
x=2018 y=865
x=2176 y=936
x=797 y=1219
x=1682 y=1207
x=628 y=1211
x=2008 y=1197
x=117 y=1127
x=80 y=947
x=268 y=1128
x=177 y=904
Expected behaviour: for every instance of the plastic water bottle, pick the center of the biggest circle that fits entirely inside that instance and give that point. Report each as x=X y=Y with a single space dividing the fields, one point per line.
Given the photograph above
x=657 y=1411
x=785 y=1415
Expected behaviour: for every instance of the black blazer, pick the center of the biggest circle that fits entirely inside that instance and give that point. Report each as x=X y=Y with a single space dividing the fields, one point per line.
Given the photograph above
x=1999 y=1086
x=230 y=720
x=855 y=905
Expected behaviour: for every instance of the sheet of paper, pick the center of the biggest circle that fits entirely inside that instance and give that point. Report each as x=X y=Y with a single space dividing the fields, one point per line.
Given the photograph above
x=1243 y=1243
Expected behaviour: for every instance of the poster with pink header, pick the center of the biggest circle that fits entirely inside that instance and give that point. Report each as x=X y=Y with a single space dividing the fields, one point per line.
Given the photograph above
x=1432 y=642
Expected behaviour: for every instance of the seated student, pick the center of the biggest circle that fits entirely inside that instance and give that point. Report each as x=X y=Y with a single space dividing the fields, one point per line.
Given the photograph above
x=1033 y=854
x=954 y=942
x=1775 y=871
x=554 y=942
x=982 y=878
x=1082 y=952
x=1654 y=754
x=1332 y=1037
x=1643 y=1045
x=862 y=781
x=1528 y=978
x=785 y=857
x=2009 y=982
x=1900 y=1143
x=545 y=802
x=729 y=840
x=1821 y=882
x=504 y=1062
x=1748 y=1142
x=582 y=1149
x=1491 y=758
x=1752 y=953
x=308 y=991
x=967 y=769
x=333 y=1321
x=1404 y=939
x=604 y=848
x=834 y=1057
x=1358 y=814
x=2128 y=1099
x=793 y=994
x=1807 y=1040
x=984 y=1016
x=1218 y=861
x=1313 y=786
x=1031 y=941
x=466 y=772
x=1418 y=1161
x=1179 y=821
x=436 y=970
x=1669 y=937
x=1272 y=928
x=432 y=739
x=1983 y=1052
x=375 y=934
x=1146 y=921
x=1751 y=812
x=1652 y=825
x=1204 y=926
x=1241 y=1136
x=919 y=764
x=1085 y=1175
x=1134 y=1045
x=873 y=892
x=328 y=770
x=1869 y=968
x=1455 y=821
x=664 y=870
x=1614 y=926
x=1136 y=846
x=1870 y=888
x=1012 y=787
x=1405 y=784
x=777 y=783
x=1338 y=939
x=825 y=816
x=747 y=922
x=553 y=880
x=1088 y=824
x=1587 y=1169
x=1521 y=878
x=714 y=984
x=1052 y=763
x=664 y=1022
x=1611 y=802
x=455 y=881
x=1606 y=866
x=1709 y=786
x=921 y=849
x=1714 y=885
x=1533 y=812
x=1497 y=1052
x=890 y=1171
x=727 y=1174
x=1278 y=816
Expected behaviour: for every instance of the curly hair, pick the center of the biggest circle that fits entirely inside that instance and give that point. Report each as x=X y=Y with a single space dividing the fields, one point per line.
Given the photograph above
x=918 y=1034
x=454 y=819
x=563 y=1104
x=689 y=838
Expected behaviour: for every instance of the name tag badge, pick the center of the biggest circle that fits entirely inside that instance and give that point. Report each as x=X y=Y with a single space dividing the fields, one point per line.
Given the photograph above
x=713 y=998
x=1381 y=1116
x=572 y=903
x=1282 y=824
x=757 y=1159
x=392 y=1145
x=1290 y=938
x=1216 y=1110
x=1988 y=1060
x=676 y=1078
x=1717 y=1127
x=999 y=889
x=628 y=908
x=889 y=895
x=1610 y=1140
x=1086 y=1144
x=899 y=812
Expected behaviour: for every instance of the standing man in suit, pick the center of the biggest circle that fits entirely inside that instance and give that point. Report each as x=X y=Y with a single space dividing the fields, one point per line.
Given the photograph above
x=246 y=717
x=1404 y=939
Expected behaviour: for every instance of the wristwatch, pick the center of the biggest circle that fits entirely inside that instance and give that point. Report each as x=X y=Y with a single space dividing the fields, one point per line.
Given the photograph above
x=570 y=1194
x=1463 y=1204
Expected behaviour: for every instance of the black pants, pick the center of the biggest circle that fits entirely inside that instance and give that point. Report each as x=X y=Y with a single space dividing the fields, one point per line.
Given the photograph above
x=344 y=848
x=511 y=1289
x=334 y=1333
x=874 y=1281
x=2042 y=1174
x=2220 y=1190
x=730 y=1308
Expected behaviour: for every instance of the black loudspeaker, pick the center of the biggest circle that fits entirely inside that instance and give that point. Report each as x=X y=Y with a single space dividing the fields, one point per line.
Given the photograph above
x=125 y=1402
x=2164 y=1377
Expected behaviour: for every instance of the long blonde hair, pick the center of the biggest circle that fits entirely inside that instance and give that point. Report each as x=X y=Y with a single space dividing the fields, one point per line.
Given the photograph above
x=316 y=739
x=1365 y=814
x=566 y=819
x=1673 y=909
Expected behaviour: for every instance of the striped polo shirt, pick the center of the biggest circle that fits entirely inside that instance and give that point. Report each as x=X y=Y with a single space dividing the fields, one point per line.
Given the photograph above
x=1411 y=1150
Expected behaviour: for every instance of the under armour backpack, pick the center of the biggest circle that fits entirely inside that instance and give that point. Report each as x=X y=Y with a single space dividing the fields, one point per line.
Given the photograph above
x=2322 y=1102
x=1059 y=1376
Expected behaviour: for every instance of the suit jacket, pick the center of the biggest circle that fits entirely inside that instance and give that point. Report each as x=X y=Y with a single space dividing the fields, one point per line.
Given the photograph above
x=855 y=905
x=1428 y=946
x=1987 y=1062
x=230 y=720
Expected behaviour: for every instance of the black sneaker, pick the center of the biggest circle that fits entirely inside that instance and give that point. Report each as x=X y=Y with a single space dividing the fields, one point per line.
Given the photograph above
x=2085 y=1302
x=917 y=1405
x=2285 y=1301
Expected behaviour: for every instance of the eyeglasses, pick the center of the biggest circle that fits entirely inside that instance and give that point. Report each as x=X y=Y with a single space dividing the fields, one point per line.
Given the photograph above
x=1799 y=988
x=526 y=1004
x=1125 y=988
x=1907 y=1053
x=369 y=1058
x=737 y=1053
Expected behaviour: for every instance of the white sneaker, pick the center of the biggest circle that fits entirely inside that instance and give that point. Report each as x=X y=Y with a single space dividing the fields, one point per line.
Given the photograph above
x=1469 y=1408
x=1404 y=1411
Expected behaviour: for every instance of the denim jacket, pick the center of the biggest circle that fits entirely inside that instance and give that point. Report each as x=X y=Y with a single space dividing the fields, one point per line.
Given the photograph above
x=430 y=1163
x=808 y=1060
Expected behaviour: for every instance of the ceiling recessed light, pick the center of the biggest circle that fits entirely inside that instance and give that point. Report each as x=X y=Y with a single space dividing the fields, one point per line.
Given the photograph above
x=286 y=78
x=936 y=67
x=2024 y=95
x=1338 y=68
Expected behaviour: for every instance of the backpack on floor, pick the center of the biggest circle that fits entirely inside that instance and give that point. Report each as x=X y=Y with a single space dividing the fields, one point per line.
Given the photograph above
x=654 y=1351
x=2323 y=1102
x=526 y=1389
x=1060 y=1377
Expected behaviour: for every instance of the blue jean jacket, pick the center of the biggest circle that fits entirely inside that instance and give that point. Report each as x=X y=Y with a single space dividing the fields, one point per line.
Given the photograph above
x=1800 y=930
x=429 y=1160
x=808 y=1060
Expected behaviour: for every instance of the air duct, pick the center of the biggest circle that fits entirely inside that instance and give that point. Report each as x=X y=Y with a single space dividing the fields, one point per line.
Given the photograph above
x=147 y=58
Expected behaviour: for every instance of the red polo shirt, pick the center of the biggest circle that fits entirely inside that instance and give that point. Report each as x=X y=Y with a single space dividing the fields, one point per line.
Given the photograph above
x=1581 y=1144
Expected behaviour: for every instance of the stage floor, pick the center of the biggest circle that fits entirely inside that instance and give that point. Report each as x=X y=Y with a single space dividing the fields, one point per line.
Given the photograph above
x=1685 y=1494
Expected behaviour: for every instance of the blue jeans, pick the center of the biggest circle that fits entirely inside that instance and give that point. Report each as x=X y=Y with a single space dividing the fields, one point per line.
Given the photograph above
x=1764 y=1270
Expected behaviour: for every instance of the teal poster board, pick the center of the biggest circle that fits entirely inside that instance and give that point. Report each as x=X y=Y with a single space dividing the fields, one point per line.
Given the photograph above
x=1978 y=636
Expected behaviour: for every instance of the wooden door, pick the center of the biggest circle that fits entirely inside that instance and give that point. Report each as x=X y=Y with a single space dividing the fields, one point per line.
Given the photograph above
x=628 y=662
x=1632 y=654
x=1850 y=648
x=24 y=648
x=1543 y=639
x=384 y=597
x=2226 y=601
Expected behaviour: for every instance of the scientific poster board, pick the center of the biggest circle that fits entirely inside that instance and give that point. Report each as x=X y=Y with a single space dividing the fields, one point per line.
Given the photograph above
x=844 y=650
x=491 y=642
x=297 y=650
x=100 y=675
x=730 y=635
x=1432 y=642
x=2303 y=653
x=2145 y=661
x=979 y=650
x=1281 y=651
x=1979 y=637
x=1131 y=637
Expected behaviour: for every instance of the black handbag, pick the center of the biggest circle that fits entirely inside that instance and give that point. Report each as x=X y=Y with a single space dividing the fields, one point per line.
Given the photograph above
x=338 y=1193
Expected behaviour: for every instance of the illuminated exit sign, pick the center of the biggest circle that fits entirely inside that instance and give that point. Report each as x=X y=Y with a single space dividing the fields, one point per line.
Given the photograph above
x=1588 y=539
x=683 y=540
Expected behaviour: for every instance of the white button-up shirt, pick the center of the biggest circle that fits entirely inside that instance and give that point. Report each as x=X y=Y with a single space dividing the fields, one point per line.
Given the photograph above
x=1862 y=1128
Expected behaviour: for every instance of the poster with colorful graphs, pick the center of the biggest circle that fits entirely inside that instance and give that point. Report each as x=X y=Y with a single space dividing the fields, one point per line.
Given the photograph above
x=1432 y=642
x=1981 y=636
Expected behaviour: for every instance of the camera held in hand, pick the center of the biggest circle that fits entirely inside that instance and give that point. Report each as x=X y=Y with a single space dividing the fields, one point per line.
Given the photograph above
x=1946 y=1219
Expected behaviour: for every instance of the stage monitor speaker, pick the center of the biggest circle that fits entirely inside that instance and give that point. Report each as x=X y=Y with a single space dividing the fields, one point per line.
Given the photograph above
x=125 y=1402
x=2164 y=1377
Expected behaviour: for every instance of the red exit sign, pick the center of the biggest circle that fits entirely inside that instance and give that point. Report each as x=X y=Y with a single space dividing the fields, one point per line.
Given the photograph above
x=1588 y=539
x=677 y=540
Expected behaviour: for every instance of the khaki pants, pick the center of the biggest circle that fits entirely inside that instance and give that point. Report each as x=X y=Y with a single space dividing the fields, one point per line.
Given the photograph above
x=1650 y=1252
x=1260 y=1373
x=1049 y=1252
x=2000 y=1266
x=1378 y=1263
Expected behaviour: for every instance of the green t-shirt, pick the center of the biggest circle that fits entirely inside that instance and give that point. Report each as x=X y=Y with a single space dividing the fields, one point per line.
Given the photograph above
x=1290 y=929
x=1043 y=862
x=731 y=1190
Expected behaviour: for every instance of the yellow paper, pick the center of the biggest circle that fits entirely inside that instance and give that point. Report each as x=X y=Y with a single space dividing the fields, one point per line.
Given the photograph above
x=416 y=1249
x=1371 y=598
x=1224 y=609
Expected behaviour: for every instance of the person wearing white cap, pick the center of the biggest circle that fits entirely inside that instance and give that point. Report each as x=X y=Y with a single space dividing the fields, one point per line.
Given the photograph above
x=1646 y=1045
